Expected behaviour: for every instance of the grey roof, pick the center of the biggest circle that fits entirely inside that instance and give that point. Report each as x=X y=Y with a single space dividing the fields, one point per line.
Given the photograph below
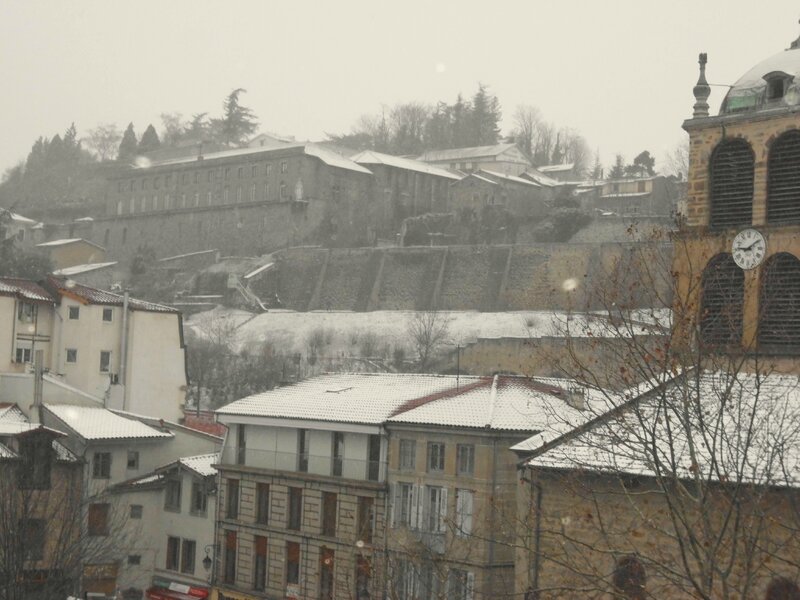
x=460 y=154
x=512 y=178
x=84 y=268
x=748 y=91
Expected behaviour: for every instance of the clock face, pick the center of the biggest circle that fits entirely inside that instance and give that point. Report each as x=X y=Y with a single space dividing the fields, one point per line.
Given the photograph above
x=749 y=248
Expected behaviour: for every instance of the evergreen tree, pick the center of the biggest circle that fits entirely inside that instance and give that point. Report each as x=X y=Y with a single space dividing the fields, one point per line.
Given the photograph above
x=485 y=118
x=149 y=141
x=597 y=167
x=460 y=123
x=618 y=170
x=558 y=155
x=198 y=128
x=644 y=164
x=238 y=122
x=128 y=145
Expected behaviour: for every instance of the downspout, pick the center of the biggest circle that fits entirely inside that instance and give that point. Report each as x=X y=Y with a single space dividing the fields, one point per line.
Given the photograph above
x=123 y=350
x=537 y=537
x=492 y=540
x=14 y=330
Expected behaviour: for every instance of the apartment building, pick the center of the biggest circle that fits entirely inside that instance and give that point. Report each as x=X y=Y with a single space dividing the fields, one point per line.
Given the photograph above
x=125 y=350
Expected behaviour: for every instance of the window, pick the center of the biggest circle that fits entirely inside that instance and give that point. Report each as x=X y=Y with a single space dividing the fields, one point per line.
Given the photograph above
x=23 y=355
x=722 y=303
x=240 y=172
x=292 y=563
x=326 y=559
x=101 y=465
x=172 y=494
x=210 y=176
x=208 y=198
x=783 y=178
x=404 y=506
x=134 y=559
x=779 y=325
x=239 y=194
x=337 y=454
x=460 y=585
x=227 y=172
x=133 y=459
x=373 y=457
x=74 y=313
x=173 y=553
x=199 y=504
x=465 y=459
x=226 y=194
x=295 y=508
x=241 y=444
x=98 y=519
x=435 y=457
x=260 y=563
x=283 y=191
x=284 y=167
x=253 y=193
x=26 y=312
x=229 y=565
x=782 y=588
x=464 y=504
x=254 y=171
x=435 y=509
x=105 y=361
x=136 y=511
x=366 y=519
x=262 y=503
x=630 y=579
x=641 y=187
x=187 y=556
x=731 y=171
x=32 y=534
x=72 y=355
x=36 y=452
x=156 y=183
x=232 y=498
x=408 y=455
x=267 y=170
x=363 y=576
x=125 y=234
x=329 y=503
x=303 y=442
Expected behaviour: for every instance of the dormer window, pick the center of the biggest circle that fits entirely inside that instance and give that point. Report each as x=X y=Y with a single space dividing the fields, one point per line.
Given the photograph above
x=777 y=84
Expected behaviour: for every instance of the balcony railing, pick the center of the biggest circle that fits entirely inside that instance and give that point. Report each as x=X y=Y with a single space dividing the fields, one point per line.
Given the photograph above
x=348 y=468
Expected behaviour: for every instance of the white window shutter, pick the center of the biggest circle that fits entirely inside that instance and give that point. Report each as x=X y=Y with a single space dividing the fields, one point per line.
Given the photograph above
x=469 y=592
x=466 y=516
x=443 y=510
x=414 y=517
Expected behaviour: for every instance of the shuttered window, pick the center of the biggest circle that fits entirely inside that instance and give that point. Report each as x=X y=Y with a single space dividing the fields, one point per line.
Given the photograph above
x=723 y=297
x=779 y=325
x=731 y=191
x=783 y=186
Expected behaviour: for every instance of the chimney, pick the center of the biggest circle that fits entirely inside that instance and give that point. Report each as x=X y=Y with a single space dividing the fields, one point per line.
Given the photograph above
x=200 y=151
x=576 y=398
x=702 y=90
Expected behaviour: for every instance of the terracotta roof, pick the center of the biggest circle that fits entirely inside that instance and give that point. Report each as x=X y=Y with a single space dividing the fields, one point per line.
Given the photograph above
x=24 y=289
x=91 y=295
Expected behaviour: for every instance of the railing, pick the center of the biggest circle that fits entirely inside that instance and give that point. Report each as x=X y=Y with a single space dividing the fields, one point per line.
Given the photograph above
x=348 y=468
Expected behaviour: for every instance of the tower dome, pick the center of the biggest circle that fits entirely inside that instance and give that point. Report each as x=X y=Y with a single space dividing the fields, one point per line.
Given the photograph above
x=772 y=83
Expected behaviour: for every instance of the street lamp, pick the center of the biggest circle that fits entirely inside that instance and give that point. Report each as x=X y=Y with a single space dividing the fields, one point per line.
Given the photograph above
x=207 y=561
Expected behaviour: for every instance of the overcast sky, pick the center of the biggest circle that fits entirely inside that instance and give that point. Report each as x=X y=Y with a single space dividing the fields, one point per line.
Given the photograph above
x=619 y=71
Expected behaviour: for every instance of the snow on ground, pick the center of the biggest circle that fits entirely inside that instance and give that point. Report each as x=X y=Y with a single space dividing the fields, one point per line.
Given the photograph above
x=344 y=332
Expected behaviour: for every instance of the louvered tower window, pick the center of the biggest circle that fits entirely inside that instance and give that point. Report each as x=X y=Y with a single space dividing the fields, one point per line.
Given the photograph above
x=779 y=325
x=731 y=191
x=783 y=187
x=723 y=299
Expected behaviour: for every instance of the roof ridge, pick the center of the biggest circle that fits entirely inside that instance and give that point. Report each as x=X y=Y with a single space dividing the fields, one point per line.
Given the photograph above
x=423 y=400
x=492 y=401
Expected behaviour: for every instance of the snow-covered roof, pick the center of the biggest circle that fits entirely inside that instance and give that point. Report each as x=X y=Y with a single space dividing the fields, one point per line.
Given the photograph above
x=20 y=219
x=362 y=398
x=728 y=413
x=540 y=178
x=92 y=295
x=501 y=403
x=370 y=157
x=66 y=242
x=259 y=270
x=329 y=157
x=14 y=428
x=80 y=269
x=201 y=464
x=97 y=423
x=513 y=178
x=460 y=154
x=557 y=168
x=24 y=289
x=11 y=412
x=625 y=195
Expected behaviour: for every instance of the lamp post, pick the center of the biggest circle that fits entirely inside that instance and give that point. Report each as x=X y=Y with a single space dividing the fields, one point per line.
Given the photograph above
x=208 y=562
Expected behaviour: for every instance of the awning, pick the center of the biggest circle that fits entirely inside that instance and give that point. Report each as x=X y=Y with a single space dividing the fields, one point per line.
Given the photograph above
x=158 y=593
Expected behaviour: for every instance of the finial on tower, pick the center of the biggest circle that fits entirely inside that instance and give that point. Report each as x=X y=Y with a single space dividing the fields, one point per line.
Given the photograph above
x=702 y=90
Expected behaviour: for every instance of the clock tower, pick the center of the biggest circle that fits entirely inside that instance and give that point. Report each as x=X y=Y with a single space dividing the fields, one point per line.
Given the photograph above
x=737 y=254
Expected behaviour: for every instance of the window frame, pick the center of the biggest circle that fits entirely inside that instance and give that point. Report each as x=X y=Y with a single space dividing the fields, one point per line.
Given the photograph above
x=408 y=455
x=101 y=465
x=436 y=456
x=465 y=459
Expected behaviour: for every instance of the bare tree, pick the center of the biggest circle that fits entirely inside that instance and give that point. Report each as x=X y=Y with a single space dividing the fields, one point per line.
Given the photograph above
x=684 y=482
x=526 y=120
x=104 y=140
x=428 y=331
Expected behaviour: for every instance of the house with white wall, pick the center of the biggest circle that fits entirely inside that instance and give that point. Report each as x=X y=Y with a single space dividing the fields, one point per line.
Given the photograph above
x=128 y=351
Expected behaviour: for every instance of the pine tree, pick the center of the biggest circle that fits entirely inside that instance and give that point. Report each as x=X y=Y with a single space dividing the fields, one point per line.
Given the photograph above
x=485 y=118
x=128 y=145
x=149 y=141
x=460 y=123
x=618 y=170
x=238 y=122
x=644 y=163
